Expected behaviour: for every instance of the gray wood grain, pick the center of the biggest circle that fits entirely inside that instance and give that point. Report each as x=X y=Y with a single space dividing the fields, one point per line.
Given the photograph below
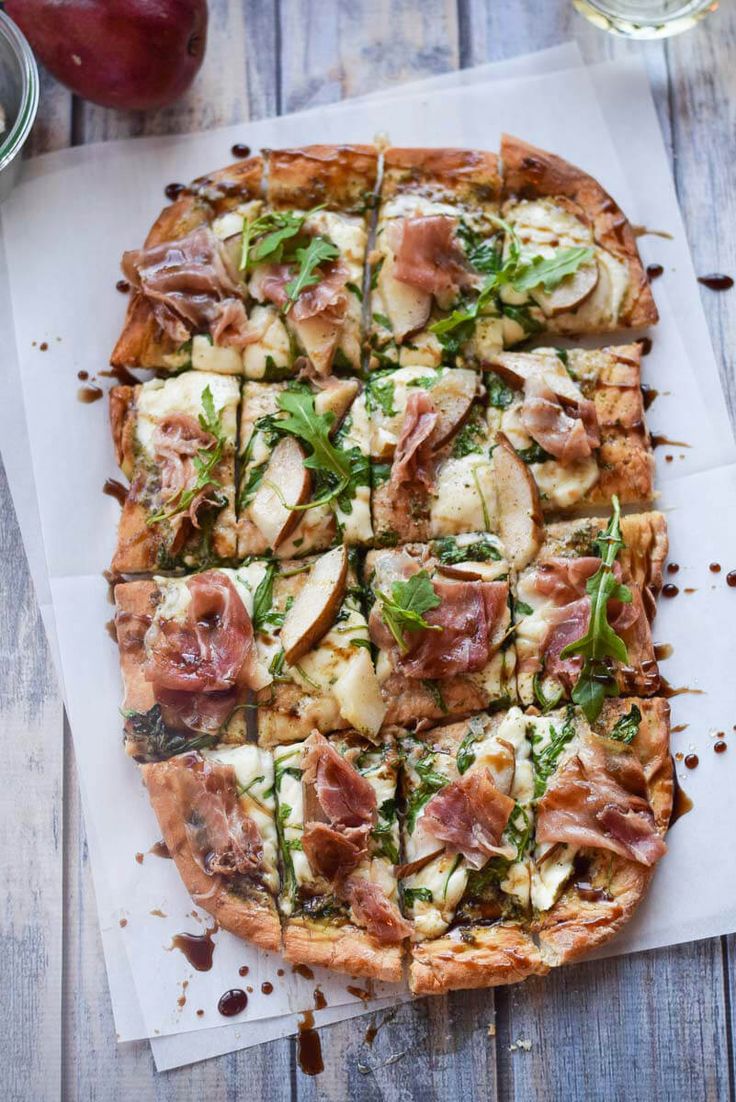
x=650 y=1026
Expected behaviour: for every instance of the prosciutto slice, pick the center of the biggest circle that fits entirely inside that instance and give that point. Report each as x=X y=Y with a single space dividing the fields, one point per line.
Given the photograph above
x=177 y=438
x=427 y=254
x=471 y=618
x=333 y=853
x=191 y=286
x=412 y=461
x=199 y=666
x=346 y=798
x=373 y=909
x=470 y=815
x=598 y=799
x=223 y=838
x=326 y=298
x=565 y=435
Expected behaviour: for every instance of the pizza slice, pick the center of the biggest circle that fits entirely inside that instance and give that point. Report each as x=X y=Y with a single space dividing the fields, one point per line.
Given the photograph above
x=304 y=259
x=304 y=467
x=187 y=300
x=217 y=813
x=437 y=238
x=574 y=265
x=582 y=611
x=603 y=800
x=312 y=636
x=435 y=468
x=188 y=659
x=576 y=417
x=440 y=619
x=175 y=442
x=339 y=840
x=467 y=832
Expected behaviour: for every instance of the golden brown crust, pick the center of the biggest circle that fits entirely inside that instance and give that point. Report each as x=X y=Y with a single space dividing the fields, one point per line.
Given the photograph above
x=251 y=916
x=341 y=948
x=135 y=603
x=343 y=177
x=122 y=426
x=529 y=172
x=575 y=926
x=496 y=955
x=142 y=342
x=470 y=174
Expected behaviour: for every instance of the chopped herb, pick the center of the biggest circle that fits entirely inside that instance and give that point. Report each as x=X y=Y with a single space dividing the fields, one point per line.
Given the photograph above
x=465 y=754
x=522 y=317
x=535 y=453
x=276 y=666
x=562 y=354
x=600 y=646
x=361 y=642
x=434 y=690
x=499 y=394
x=380 y=473
x=626 y=728
x=453 y=868
x=470 y=439
x=549 y=271
x=383 y=321
x=519 y=830
x=379 y=393
x=353 y=287
x=522 y=608
x=281 y=770
x=414 y=895
x=263 y=600
x=152 y=740
x=430 y=782
x=403 y=610
x=383 y=832
x=449 y=551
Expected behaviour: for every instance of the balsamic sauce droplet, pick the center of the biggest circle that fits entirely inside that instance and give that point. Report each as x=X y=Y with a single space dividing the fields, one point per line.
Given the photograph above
x=731 y=578
x=89 y=393
x=649 y=395
x=692 y=761
x=646 y=345
x=309 y=1048
x=243 y=970
x=173 y=191
x=715 y=568
x=266 y=988
x=83 y=376
x=115 y=489
x=232 y=1002
x=720 y=747
x=160 y=849
x=681 y=802
x=670 y=590
x=240 y=150
x=672 y=567
x=123 y=286
x=716 y=281
x=197 y=948
x=654 y=271
x=320 y=1002
x=127 y=378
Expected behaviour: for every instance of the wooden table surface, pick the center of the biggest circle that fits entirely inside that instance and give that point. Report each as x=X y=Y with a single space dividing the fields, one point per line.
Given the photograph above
x=657 y=1025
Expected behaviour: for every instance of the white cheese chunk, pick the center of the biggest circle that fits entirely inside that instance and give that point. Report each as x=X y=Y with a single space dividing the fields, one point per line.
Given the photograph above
x=465 y=496
x=183 y=394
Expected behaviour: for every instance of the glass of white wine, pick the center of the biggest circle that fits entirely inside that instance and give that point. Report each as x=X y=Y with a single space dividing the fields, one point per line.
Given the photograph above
x=645 y=18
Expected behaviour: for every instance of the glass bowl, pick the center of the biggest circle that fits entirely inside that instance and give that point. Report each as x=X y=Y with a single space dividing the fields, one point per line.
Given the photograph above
x=18 y=98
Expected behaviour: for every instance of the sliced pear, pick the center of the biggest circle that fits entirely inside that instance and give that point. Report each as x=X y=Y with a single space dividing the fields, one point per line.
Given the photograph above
x=337 y=397
x=516 y=367
x=318 y=337
x=453 y=398
x=272 y=511
x=570 y=292
x=407 y=307
x=521 y=524
x=358 y=695
x=472 y=571
x=314 y=610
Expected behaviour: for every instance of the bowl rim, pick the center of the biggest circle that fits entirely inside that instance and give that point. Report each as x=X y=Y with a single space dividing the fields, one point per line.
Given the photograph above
x=15 y=138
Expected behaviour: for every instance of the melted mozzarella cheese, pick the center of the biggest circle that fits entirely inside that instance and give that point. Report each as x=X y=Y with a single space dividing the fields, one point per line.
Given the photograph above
x=274 y=345
x=356 y=525
x=465 y=496
x=183 y=394
x=254 y=772
x=562 y=486
x=446 y=880
x=290 y=795
x=385 y=430
x=550 y=875
x=347 y=232
x=224 y=360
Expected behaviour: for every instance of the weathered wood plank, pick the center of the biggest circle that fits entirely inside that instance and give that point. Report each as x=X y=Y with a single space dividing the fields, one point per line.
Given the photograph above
x=31 y=829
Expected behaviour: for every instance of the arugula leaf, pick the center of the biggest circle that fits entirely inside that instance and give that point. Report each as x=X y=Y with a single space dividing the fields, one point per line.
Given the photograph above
x=519 y=834
x=469 y=440
x=522 y=317
x=465 y=754
x=413 y=895
x=434 y=690
x=383 y=832
x=600 y=645
x=430 y=782
x=549 y=271
x=545 y=759
x=522 y=608
x=263 y=601
x=341 y=470
x=379 y=394
x=453 y=868
x=318 y=251
x=626 y=728
x=403 y=610
x=281 y=769
x=546 y=703
x=205 y=462
x=152 y=740
x=270 y=233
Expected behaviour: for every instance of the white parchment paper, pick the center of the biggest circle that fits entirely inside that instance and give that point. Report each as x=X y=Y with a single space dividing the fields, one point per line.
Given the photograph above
x=34 y=233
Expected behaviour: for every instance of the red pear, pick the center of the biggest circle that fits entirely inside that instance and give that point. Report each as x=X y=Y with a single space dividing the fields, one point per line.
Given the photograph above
x=129 y=54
